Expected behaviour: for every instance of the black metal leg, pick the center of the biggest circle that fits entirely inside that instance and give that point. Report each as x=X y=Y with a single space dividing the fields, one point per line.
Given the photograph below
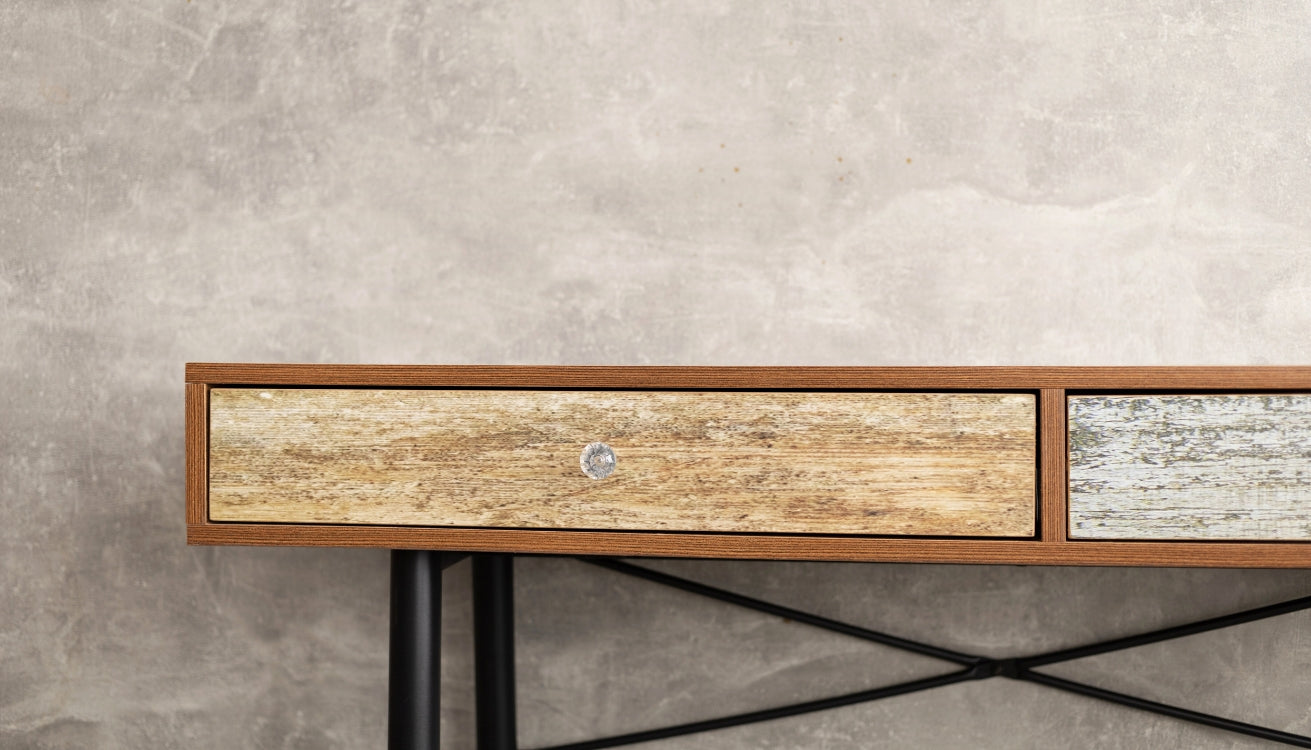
x=493 y=650
x=413 y=686
x=416 y=588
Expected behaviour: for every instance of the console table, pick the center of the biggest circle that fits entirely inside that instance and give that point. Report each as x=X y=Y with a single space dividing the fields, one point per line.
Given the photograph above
x=1147 y=466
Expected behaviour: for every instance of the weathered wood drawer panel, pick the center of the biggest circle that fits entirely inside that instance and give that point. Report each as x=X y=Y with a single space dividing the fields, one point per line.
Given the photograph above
x=795 y=462
x=1190 y=467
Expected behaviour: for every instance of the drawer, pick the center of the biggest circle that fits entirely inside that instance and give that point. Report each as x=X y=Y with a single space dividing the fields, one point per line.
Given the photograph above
x=1190 y=467
x=938 y=464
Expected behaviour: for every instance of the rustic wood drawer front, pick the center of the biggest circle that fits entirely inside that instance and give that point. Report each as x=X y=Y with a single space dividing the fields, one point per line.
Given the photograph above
x=1190 y=467
x=948 y=464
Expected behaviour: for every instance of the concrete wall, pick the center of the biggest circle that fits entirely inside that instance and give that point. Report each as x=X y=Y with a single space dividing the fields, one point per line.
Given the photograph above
x=699 y=183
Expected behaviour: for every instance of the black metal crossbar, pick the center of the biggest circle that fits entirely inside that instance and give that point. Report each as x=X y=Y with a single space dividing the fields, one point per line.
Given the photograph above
x=701 y=589
x=974 y=667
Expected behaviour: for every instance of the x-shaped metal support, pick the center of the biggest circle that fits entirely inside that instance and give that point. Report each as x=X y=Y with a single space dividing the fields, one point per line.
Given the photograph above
x=971 y=667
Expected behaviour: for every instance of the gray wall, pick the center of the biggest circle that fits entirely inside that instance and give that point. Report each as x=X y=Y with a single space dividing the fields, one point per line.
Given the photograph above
x=843 y=182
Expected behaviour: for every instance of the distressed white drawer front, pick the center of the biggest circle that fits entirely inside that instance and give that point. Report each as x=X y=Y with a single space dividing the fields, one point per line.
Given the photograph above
x=1190 y=467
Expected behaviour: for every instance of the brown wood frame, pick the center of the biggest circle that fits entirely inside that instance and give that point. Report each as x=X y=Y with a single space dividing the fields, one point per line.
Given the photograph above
x=1049 y=547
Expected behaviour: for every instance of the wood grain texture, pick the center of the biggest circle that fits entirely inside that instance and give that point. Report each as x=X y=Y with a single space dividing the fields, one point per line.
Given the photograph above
x=764 y=547
x=830 y=463
x=756 y=378
x=1053 y=510
x=1190 y=467
x=197 y=437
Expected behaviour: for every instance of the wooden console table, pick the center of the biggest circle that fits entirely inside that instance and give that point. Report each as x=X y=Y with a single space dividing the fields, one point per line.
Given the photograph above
x=1147 y=466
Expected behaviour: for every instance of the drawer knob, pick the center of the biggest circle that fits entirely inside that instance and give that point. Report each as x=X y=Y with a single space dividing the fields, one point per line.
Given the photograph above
x=598 y=460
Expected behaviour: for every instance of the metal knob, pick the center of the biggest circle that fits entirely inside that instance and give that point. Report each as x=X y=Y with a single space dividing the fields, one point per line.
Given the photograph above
x=598 y=460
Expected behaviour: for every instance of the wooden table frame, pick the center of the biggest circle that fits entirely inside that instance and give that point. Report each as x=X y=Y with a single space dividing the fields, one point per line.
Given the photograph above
x=1050 y=546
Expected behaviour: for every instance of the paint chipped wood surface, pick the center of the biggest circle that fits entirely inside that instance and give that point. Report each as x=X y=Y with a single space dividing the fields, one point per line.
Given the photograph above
x=1190 y=467
x=937 y=464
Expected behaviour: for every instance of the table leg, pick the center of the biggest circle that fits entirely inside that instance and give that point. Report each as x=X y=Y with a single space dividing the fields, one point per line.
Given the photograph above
x=493 y=647
x=414 y=682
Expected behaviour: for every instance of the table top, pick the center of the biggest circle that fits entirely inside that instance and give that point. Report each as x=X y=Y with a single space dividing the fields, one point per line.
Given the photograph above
x=1050 y=388
x=819 y=378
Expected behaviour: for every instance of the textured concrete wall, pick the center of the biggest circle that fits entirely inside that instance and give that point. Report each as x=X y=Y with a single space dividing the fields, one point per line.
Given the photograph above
x=708 y=182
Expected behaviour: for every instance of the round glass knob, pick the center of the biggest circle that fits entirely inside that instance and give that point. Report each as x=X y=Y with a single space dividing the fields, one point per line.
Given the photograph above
x=598 y=460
